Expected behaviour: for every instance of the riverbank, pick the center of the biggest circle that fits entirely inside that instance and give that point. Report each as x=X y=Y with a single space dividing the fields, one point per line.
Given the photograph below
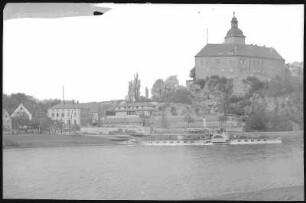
x=294 y=193
x=41 y=140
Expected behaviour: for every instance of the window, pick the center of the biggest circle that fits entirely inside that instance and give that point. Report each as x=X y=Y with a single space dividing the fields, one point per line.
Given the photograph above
x=217 y=61
x=57 y=115
x=52 y=114
x=62 y=114
x=75 y=122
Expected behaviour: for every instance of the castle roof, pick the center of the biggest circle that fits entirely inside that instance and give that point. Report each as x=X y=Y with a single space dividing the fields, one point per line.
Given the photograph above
x=222 y=50
x=234 y=31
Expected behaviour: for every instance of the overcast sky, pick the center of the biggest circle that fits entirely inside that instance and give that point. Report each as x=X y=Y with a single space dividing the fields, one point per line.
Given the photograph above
x=95 y=57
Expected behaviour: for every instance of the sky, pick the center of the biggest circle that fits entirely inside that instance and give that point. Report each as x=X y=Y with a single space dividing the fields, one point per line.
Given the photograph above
x=94 y=57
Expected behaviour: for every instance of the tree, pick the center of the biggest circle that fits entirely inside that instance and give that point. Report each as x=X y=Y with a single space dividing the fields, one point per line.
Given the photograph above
x=171 y=84
x=147 y=93
x=192 y=74
x=130 y=95
x=258 y=119
x=144 y=119
x=173 y=111
x=278 y=122
x=136 y=87
x=225 y=87
x=20 y=121
x=45 y=123
x=201 y=82
x=188 y=118
x=9 y=103
x=158 y=90
x=255 y=85
x=181 y=95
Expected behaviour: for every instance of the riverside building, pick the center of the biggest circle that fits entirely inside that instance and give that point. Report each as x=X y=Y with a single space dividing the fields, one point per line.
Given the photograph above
x=70 y=113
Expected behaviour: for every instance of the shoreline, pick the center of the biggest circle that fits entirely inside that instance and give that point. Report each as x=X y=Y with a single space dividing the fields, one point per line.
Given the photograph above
x=290 y=193
x=38 y=141
x=42 y=140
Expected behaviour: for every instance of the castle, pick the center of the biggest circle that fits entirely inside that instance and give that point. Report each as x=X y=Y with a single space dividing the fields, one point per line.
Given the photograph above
x=237 y=60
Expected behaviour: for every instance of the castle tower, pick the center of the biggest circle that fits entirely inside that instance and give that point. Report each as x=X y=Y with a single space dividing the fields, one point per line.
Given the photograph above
x=234 y=35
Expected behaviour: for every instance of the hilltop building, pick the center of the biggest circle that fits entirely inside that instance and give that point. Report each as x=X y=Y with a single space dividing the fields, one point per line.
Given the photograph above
x=70 y=113
x=237 y=60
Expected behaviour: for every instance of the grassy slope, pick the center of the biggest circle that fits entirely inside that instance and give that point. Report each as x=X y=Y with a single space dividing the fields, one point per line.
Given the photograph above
x=52 y=140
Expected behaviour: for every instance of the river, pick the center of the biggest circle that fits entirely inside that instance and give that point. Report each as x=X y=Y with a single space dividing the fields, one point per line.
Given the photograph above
x=151 y=172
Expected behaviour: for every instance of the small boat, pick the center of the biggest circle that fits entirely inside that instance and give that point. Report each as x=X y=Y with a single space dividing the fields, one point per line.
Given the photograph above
x=220 y=138
x=119 y=138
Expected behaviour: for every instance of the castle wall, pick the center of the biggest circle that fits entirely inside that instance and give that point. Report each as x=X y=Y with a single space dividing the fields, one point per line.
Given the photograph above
x=237 y=66
x=234 y=40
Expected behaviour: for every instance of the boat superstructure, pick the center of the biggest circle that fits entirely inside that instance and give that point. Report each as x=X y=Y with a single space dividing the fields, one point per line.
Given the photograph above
x=219 y=137
x=174 y=142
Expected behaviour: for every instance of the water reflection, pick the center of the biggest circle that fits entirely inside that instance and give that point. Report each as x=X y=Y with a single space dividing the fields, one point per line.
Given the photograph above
x=121 y=172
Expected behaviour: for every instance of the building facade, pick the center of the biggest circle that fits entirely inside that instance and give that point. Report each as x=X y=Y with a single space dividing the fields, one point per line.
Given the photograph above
x=237 y=60
x=70 y=113
x=21 y=109
x=6 y=120
x=135 y=109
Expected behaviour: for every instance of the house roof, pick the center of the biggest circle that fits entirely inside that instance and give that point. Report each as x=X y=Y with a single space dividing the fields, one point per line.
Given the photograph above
x=69 y=106
x=222 y=50
x=146 y=104
x=127 y=110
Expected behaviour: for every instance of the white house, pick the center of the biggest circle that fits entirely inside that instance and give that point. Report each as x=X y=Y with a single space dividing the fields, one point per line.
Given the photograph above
x=70 y=113
x=6 y=120
x=21 y=109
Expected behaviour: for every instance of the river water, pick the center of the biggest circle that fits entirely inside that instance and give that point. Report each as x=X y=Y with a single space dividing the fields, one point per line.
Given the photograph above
x=151 y=172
